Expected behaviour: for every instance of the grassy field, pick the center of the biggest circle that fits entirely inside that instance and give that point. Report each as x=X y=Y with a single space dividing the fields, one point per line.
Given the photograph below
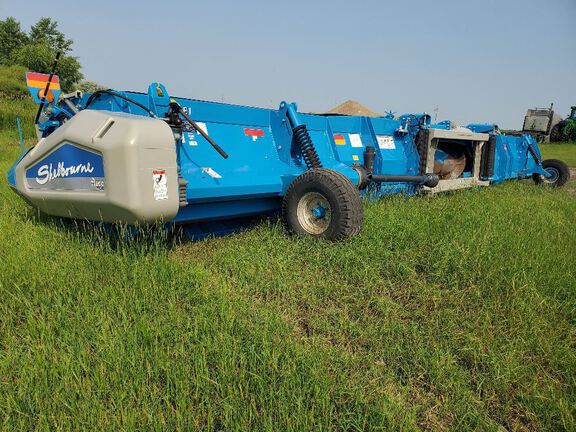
x=563 y=151
x=455 y=312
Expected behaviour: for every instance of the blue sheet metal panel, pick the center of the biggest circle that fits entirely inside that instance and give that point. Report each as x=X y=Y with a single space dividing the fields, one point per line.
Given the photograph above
x=482 y=127
x=253 y=168
x=201 y=111
x=502 y=159
x=518 y=151
x=444 y=125
x=394 y=154
x=349 y=137
x=512 y=159
x=216 y=228
x=519 y=157
x=526 y=162
x=321 y=135
x=531 y=164
x=398 y=153
x=225 y=113
x=12 y=175
x=323 y=144
x=115 y=104
x=227 y=209
x=346 y=138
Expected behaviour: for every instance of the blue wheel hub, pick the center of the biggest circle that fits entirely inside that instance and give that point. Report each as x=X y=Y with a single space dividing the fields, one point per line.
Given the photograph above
x=554 y=175
x=319 y=212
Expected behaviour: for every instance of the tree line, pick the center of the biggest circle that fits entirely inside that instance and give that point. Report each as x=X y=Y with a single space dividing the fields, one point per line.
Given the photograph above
x=36 y=49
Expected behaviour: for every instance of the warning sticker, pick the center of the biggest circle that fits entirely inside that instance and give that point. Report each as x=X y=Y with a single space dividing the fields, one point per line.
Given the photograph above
x=190 y=138
x=254 y=133
x=385 y=142
x=355 y=140
x=160 y=185
x=339 y=139
x=355 y=157
x=211 y=173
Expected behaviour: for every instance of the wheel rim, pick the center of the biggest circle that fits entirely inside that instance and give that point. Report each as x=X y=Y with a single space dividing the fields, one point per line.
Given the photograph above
x=555 y=174
x=314 y=213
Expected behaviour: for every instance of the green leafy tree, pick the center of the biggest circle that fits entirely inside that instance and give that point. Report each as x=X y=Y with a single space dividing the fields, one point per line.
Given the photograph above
x=46 y=31
x=37 y=49
x=89 y=86
x=11 y=38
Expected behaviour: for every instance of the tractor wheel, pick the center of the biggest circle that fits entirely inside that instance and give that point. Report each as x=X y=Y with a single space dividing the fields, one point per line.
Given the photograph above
x=323 y=203
x=559 y=170
x=556 y=134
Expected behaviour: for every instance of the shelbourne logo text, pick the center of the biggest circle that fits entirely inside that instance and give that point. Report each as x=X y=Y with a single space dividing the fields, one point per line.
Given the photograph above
x=47 y=173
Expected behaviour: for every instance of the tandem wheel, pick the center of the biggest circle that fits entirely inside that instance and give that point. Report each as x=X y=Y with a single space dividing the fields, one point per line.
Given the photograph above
x=323 y=203
x=559 y=171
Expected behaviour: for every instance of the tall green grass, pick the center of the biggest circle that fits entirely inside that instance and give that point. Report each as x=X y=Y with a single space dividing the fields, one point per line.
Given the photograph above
x=13 y=82
x=15 y=101
x=562 y=151
x=454 y=312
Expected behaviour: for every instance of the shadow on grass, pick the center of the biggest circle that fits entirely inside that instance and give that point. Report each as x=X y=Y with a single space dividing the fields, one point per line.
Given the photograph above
x=146 y=237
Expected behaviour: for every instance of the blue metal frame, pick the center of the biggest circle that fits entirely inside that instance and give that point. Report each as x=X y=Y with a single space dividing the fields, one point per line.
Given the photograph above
x=264 y=160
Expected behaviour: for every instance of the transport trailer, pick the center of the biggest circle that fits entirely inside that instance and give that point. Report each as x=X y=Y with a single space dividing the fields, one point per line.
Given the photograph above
x=143 y=158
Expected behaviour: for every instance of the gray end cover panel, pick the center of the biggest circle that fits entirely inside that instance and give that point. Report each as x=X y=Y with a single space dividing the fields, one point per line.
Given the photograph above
x=103 y=166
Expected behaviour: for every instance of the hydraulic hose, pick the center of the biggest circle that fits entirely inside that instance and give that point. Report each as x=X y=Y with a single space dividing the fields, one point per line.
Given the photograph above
x=97 y=93
x=43 y=100
x=175 y=106
x=430 y=180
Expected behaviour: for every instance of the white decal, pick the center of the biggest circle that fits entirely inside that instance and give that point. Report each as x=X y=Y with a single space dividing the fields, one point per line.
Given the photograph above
x=211 y=173
x=97 y=184
x=385 y=142
x=355 y=140
x=47 y=173
x=160 y=185
x=203 y=127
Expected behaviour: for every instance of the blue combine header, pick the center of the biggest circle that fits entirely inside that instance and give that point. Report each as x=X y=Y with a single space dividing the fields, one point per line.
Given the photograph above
x=140 y=158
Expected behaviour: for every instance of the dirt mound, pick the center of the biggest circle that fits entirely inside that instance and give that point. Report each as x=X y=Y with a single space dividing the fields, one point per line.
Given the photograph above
x=351 y=107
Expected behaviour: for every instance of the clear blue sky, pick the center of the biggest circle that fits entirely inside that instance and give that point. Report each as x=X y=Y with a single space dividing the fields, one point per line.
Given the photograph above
x=481 y=61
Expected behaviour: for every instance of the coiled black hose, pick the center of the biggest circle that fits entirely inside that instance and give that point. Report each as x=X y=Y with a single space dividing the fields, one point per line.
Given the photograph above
x=302 y=137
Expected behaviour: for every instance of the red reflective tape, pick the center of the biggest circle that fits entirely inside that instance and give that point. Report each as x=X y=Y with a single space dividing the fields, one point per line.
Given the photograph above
x=35 y=76
x=254 y=132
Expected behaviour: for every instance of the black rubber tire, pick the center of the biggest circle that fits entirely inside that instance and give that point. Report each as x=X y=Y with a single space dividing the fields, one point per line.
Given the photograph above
x=560 y=168
x=557 y=133
x=347 y=210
